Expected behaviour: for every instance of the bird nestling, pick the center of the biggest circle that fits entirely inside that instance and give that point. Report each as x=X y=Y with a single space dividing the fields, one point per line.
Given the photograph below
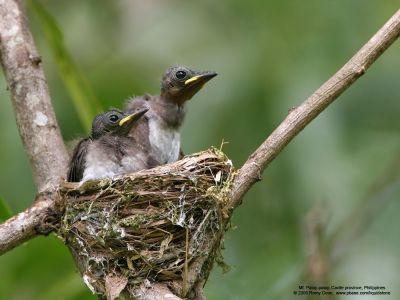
x=109 y=150
x=159 y=130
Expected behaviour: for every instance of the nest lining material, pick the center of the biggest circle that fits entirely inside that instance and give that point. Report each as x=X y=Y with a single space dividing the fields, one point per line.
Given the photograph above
x=150 y=225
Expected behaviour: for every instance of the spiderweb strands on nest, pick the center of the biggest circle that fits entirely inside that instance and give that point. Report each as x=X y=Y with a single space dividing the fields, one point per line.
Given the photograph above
x=153 y=225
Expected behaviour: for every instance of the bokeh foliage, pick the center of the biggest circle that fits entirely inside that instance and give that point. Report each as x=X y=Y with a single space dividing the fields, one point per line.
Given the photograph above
x=270 y=56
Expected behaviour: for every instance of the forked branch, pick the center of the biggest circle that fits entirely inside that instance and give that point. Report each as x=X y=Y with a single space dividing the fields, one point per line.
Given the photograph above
x=46 y=150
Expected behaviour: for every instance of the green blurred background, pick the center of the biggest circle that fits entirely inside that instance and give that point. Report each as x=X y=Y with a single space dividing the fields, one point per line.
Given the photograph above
x=270 y=55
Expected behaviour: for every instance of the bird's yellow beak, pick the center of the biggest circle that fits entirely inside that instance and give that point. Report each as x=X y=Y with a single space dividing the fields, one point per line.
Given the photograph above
x=193 y=79
x=201 y=78
x=133 y=117
x=126 y=119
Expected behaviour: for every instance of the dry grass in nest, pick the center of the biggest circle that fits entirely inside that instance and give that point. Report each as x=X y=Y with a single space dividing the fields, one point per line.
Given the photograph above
x=150 y=225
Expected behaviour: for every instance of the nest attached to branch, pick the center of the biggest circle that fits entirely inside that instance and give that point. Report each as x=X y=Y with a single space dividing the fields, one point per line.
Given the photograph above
x=160 y=225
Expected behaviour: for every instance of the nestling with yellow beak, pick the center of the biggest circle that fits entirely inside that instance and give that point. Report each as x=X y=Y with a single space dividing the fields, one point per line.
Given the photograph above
x=159 y=129
x=109 y=150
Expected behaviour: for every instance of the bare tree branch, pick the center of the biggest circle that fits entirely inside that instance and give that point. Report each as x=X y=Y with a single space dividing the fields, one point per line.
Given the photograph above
x=46 y=151
x=30 y=97
x=302 y=115
x=40 y=218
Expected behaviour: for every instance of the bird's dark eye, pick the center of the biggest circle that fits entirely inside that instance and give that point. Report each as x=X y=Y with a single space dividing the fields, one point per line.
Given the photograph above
x=113 y=118
x=180 y=74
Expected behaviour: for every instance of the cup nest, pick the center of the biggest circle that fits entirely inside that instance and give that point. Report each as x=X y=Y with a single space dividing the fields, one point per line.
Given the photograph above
x=159 y=225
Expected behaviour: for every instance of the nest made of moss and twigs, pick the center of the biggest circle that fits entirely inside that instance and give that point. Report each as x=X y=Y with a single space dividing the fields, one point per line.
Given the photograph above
x=149 y=225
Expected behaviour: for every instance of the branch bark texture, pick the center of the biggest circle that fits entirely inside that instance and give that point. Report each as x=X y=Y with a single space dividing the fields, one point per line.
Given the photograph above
x=39 y=219
x=46 y=151
x=302 y=115
x=30 y=97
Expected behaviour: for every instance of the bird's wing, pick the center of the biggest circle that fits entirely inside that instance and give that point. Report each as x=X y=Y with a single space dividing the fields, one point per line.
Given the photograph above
x=77 y=164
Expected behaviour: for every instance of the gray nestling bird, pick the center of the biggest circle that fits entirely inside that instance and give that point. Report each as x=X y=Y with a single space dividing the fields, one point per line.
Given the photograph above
x=109 y=151
x=159 y=130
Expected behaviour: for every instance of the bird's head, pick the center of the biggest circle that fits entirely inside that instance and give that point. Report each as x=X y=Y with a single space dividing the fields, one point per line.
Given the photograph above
x=180 y=84
x=116 y=122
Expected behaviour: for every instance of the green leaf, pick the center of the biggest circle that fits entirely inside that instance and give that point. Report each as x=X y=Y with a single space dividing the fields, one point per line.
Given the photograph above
x=79 y=89
x=5 y=210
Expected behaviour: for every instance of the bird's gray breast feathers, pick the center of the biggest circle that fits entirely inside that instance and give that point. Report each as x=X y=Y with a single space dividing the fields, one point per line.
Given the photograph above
x=98 y=164
x=112 y=158
x=165 y=140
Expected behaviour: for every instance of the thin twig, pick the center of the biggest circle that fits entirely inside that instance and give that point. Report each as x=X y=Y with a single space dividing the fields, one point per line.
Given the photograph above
x=317 y=270
x=30 y=97
x=299 y=117
x=46 y=151
x=361 y=217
